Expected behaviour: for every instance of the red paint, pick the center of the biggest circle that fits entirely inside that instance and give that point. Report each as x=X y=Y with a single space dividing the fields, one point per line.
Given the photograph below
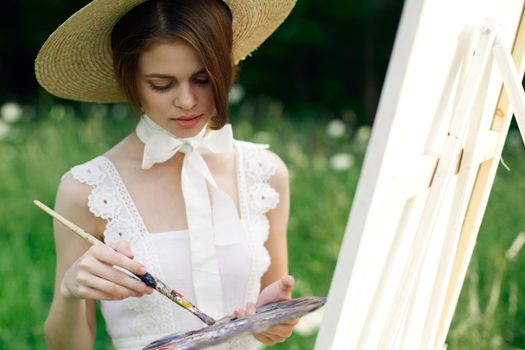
x=177 y=294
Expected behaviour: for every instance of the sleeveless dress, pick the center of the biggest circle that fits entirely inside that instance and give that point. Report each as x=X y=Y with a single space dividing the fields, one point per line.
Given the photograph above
x=134 y=322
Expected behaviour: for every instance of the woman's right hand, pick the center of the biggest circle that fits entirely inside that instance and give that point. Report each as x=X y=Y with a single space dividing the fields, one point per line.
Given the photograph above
x=93 y=275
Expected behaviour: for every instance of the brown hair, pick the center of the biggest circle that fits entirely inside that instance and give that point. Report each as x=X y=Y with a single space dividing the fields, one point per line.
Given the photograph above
x=206 y=25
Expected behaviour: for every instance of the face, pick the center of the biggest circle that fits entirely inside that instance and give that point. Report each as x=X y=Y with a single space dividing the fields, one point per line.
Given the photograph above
x=174 y=88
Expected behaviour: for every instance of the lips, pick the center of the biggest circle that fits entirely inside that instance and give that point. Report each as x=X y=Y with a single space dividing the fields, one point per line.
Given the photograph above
x=188 y=121
x=188 y=117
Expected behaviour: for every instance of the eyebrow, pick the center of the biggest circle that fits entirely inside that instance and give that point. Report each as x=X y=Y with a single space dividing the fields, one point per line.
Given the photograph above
x=167 y=76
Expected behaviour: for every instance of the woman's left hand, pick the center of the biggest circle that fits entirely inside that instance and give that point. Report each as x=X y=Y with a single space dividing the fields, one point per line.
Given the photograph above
x=277 y=291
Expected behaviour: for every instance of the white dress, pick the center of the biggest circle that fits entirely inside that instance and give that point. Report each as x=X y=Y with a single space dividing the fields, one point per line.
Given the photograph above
x=134 y=322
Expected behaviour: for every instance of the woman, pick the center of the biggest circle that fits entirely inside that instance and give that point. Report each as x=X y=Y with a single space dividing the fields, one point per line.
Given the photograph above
x=178 y=197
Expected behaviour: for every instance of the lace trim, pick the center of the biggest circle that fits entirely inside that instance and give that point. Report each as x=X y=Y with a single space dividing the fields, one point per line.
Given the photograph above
x=241 y=182
x=123 y=232
x=258 y=197
x=88 y=173
x=262 y=198
x=260 y=166
x=103 y=202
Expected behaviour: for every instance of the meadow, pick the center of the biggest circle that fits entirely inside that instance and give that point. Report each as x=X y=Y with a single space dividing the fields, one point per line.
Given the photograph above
x=324 y=156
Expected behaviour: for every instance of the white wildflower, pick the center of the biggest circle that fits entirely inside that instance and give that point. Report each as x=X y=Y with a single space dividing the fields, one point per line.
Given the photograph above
x=236 y=94
x=335 y=128
x=310 y=322
x=341 y=161
x=363 y=134
x=4 y=129
x=11 y=112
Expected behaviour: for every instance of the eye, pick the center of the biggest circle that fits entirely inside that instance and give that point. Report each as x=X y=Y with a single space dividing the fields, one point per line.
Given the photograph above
x=201 y=81
x=160 y=88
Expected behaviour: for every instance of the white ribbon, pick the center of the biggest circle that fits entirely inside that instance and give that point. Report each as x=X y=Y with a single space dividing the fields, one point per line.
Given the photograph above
x=210 y=224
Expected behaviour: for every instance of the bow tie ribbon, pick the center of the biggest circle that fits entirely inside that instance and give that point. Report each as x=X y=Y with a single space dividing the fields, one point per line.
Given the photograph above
x=210 y=223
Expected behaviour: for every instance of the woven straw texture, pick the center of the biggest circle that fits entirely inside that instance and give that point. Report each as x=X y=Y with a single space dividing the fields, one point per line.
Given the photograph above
x=75 y=62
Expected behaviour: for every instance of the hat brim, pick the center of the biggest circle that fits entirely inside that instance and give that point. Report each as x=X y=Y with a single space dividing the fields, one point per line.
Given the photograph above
x=76 y=60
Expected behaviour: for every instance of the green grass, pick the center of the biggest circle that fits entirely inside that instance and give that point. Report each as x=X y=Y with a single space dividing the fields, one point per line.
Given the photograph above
x=36 y=153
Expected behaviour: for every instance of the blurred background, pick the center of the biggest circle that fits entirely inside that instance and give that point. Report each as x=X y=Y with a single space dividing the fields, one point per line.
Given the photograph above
x=311 y=92
x=340 y=53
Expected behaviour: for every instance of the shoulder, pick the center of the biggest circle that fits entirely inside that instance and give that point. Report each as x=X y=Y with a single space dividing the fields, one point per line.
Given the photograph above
x=73 y=195
x=265 y=164
x=72 y=203
x=72 y=191
x=280 y=178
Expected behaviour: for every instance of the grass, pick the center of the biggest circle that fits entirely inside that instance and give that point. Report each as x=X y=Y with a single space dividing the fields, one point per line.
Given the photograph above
x=36 y=153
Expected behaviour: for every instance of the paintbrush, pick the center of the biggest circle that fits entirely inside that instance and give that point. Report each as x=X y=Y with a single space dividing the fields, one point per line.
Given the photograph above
x=147 y=278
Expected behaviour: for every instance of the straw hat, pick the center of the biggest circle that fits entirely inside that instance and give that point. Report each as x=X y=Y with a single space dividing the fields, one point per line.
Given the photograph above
x=76 y=61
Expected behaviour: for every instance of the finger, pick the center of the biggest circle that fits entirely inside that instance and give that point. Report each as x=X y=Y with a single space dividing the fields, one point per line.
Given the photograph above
x=240 y=313
x=292 y=322
x=123 y=247
x=112 y=257
x=94 y=287
x=250 y=309
x=264 y=339
x=91 y=266
x=272 y=339
x=279 y=331
x=85 y=292
x=287 y=283
x=120 y=278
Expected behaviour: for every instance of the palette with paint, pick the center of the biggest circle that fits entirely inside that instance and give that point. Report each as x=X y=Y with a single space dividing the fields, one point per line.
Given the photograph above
x=231 y=327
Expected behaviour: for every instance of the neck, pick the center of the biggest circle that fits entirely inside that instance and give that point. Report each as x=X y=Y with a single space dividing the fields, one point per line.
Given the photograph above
x=173 y=164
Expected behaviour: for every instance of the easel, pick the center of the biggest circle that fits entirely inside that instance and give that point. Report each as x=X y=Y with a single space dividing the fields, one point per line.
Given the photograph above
x=467 y=158
x=458 y=250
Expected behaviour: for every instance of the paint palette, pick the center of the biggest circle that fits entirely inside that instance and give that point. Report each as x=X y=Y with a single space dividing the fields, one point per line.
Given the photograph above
x=232 y=327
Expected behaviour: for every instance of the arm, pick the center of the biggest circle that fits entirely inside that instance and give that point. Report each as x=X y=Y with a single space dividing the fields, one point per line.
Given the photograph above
x=278 y=217
x=84 y=273
x=276 y=284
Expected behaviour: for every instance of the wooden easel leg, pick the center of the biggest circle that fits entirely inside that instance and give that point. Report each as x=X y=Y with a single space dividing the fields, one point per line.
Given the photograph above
x=512 y=83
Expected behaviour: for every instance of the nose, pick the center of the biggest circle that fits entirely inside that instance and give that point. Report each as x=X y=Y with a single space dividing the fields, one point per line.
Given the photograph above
x=184 y=98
